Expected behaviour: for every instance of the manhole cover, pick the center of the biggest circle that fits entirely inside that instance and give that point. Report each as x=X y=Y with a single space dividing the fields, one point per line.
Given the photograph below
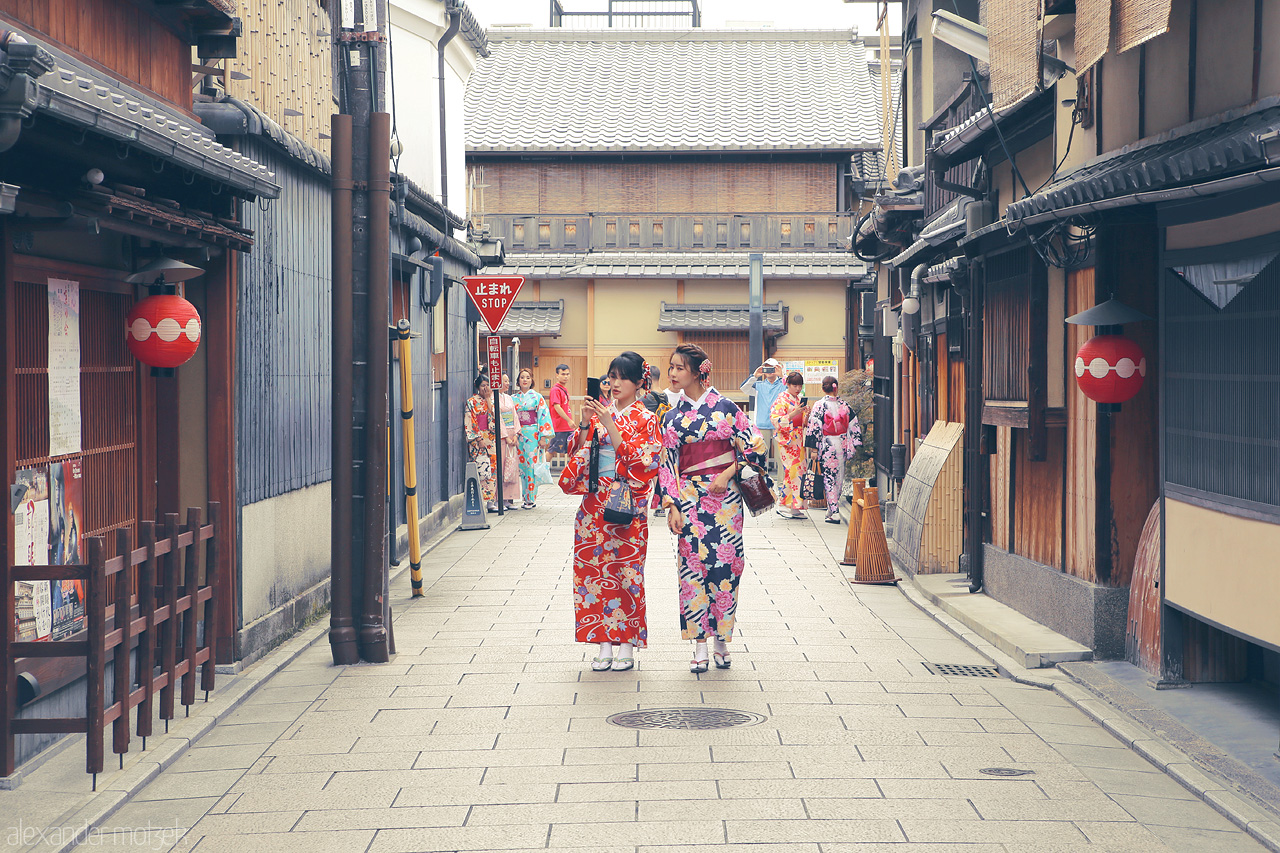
x=685 y=718
x=1005 y=771
x=963 y=669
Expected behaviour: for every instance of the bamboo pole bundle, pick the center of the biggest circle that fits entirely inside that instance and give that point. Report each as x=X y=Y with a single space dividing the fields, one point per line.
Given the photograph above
x=855 y=523
x=874 y=565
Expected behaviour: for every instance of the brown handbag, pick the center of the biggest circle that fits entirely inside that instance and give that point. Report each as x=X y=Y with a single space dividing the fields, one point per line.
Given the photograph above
x=754 y=489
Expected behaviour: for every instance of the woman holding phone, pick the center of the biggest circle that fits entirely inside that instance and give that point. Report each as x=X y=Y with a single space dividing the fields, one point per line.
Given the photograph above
x=787 y=416
x=704 y=437
x=608 y=558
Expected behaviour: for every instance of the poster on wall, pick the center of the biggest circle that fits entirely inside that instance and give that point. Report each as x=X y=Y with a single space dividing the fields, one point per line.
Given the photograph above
x=64 y=367
x=66 y=521
x=29 y=505
x=816 y=370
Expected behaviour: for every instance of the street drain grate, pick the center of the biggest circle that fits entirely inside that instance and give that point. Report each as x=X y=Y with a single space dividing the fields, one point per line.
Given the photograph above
x=685 y=718
x=963 y=669
x=1005 y=771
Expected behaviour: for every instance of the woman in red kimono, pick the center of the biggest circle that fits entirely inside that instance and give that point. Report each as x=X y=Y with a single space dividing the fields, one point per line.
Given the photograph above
x=608 y=559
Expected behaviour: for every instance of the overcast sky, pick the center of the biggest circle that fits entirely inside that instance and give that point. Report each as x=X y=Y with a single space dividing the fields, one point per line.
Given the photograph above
x=798 y=14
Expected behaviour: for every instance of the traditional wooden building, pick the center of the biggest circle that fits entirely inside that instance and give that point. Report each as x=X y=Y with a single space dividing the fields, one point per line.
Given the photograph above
x=1141 y=530
x=108 y=174
x=643 y=170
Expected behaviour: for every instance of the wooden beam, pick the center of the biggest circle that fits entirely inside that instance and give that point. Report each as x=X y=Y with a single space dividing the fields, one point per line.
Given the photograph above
x=1038 y=361
x=220 y=371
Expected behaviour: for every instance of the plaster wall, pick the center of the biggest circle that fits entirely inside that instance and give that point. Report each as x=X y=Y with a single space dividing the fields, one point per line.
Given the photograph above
x=1166 y=96
x=1119 y=98
x=1035 y=163
x=1223 y=568
x=284 y=545
x=627 y=319
x=1224 y=56
x=416 y=28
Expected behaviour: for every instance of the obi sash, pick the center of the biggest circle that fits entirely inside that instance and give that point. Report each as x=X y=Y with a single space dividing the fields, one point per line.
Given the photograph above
x=482 y=421
x=706 y=458
x=837 y=424
x=528 y=417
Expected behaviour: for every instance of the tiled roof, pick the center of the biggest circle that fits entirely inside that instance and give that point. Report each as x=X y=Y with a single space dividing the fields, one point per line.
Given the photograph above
x=532 y=319
x=694 y=317
x=825 y=265
x=1230 y=144
x=86 y=98
x=664 y=90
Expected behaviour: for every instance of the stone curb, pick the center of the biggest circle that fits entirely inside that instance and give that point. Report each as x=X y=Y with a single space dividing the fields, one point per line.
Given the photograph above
x=1172 y=761
x=142 y=770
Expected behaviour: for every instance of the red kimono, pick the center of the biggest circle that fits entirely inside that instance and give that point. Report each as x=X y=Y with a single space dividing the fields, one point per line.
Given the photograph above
x=608 y=559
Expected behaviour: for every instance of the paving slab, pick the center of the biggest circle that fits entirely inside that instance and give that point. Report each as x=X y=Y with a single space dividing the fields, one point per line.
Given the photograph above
x=489 y=732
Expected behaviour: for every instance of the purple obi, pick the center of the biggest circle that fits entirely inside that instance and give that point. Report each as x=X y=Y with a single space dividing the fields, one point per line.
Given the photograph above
x=706 y=458
x=528 y=417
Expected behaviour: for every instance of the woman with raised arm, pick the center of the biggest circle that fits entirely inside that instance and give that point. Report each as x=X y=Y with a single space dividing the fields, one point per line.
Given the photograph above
x=704 y=440
x=608 y=557
x=477 y=424
x=787 y=417
x=535 y=433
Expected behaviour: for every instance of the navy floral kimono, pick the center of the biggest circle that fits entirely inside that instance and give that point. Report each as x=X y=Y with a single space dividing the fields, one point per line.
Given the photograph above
x=698 y=443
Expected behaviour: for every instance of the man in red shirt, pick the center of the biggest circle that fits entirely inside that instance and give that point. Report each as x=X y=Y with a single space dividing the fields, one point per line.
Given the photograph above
x=561 y=418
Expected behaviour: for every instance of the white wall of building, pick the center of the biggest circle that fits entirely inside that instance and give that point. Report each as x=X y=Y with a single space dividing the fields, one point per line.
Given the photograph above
x=416 y=29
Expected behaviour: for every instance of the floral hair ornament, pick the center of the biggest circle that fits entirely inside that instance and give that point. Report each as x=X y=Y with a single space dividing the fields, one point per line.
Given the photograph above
x=704 y=369
x=647 y=381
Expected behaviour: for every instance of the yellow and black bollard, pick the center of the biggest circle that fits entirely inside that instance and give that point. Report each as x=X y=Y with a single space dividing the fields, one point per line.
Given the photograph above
x=410 y=465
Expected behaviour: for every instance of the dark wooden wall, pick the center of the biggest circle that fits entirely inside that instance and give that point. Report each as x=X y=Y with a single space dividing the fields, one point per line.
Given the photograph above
x=117 y=36
x=701 y=187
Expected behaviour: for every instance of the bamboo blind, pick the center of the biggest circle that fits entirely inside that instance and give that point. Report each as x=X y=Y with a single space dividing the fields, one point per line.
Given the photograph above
x=1093 y=32
x=1138 y=21
x=1013 y=28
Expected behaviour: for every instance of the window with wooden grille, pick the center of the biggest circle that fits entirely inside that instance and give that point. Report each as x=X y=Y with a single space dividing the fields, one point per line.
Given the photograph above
x=728 y=353
x=1222 y=387
x=115 y=460
x=1006 y=326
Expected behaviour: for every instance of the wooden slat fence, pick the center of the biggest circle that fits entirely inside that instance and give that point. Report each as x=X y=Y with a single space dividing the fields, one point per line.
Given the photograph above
x=169 y=621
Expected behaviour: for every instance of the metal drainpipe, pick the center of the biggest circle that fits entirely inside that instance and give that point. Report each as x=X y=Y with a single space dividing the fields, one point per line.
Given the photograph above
x=372 y=635
x=342 y=634
x=455 y=22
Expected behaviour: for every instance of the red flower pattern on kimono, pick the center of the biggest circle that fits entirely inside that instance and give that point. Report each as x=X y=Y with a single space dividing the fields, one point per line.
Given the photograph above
x=608 y=559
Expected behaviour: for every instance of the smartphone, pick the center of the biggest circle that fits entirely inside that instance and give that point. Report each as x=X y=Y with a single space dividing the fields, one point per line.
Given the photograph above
x=593 y=389
x=804 y=401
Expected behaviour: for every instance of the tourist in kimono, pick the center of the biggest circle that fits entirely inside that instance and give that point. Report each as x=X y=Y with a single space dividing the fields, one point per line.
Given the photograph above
x=788 y=419
x=831 y=435
x=608 y=558
x=535 y=434
x=704 y=435
x=510 y=438
x=478 y=428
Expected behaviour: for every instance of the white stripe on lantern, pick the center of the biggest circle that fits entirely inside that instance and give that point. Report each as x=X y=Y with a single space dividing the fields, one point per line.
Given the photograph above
x=193 y=330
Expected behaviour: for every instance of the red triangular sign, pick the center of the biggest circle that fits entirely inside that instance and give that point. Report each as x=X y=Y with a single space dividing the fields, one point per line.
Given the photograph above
x=492 y=295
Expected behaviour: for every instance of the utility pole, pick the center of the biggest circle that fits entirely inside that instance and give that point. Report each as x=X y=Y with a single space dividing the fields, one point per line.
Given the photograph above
x=361 y=149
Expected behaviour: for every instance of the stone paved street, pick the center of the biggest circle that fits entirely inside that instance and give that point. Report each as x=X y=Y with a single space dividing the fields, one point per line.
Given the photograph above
x=488 y=732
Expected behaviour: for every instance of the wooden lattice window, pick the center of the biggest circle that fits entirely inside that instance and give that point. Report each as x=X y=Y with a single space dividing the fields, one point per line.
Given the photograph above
x=1007 y=324
x=114 y=460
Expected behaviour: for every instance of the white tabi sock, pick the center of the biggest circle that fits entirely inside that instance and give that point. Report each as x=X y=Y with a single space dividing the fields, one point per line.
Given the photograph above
x=720 y=646
x=700 y=651
x=606 y=651
x=624 y=650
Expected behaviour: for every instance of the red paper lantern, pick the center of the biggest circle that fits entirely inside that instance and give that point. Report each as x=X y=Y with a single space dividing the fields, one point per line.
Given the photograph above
x=1110 y=368
x=163 y=331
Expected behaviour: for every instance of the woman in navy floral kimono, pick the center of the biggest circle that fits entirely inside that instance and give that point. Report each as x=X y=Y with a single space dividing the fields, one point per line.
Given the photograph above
x=703 y=436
